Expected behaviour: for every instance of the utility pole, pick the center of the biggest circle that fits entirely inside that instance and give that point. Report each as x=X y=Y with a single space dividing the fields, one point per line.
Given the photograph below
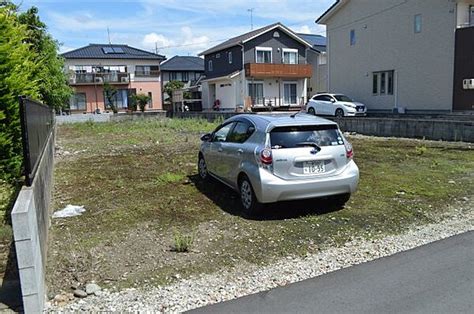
x=251 y=17
x=156 y=47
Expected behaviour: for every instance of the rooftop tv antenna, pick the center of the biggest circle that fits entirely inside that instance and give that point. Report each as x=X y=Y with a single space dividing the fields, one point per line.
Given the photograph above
x=251 y=17
x=108 y=35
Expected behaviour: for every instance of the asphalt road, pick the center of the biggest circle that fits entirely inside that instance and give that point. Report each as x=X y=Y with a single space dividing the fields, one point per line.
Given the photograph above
x=434 y=278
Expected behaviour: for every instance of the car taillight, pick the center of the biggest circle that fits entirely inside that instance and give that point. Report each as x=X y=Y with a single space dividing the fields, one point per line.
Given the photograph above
x=266 y=156
x=349 y=150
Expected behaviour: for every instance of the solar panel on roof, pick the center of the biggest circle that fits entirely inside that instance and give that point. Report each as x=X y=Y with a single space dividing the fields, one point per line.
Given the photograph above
x=107 y=49
x=118 y=50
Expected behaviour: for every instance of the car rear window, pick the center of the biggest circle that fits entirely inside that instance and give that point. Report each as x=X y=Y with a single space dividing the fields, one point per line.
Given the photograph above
x=297 y=136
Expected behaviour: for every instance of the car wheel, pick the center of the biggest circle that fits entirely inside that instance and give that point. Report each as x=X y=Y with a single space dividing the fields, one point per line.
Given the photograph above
x=248 y=199
x=311 y=111
x=339 y=113
x=202 y=168
x=340 y=200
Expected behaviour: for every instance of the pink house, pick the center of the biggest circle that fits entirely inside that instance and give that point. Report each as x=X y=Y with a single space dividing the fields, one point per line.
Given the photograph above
x=130 y=70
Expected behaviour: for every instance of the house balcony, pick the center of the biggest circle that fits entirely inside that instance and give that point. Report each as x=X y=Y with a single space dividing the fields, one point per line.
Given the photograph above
x=262 y=70
x=99 y=78
x=151 y=73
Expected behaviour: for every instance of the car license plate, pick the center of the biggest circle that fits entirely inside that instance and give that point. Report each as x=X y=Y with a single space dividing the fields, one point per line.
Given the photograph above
x=310 y=167
x=361 y=109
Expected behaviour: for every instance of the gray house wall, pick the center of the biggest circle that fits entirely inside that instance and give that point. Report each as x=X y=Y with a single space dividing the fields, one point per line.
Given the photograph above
x=221 y=65
x=267 y=40
x=385 y=40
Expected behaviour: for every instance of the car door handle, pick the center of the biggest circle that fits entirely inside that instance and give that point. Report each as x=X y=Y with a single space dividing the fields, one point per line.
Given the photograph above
x=220 y=149
x=240 y=151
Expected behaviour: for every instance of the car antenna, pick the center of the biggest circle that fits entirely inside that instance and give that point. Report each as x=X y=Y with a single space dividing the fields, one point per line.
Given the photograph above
x=294 y=115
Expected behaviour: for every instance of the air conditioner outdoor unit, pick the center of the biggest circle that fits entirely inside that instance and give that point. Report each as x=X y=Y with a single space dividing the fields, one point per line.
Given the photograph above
x=468 y=84
x=72 y=80
x=124 y=79
x=98 y=80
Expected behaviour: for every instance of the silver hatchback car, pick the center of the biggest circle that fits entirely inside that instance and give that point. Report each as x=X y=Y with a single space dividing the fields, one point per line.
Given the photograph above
x=275 y=158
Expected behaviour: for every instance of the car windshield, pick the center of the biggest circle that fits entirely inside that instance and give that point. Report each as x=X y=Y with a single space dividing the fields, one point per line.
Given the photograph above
x=299 y=136
x=342 y=98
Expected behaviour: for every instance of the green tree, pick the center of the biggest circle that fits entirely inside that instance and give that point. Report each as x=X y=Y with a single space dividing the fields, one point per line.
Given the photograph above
x=171 y=86
x=142 y=100
x=110 y=92
x=54 y=90
x=18 y=66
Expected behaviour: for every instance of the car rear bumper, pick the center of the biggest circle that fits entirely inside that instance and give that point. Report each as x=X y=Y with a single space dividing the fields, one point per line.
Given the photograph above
x=273 y=189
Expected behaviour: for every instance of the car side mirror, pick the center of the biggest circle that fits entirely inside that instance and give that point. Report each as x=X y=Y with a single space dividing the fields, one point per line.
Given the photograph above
x=206 y=137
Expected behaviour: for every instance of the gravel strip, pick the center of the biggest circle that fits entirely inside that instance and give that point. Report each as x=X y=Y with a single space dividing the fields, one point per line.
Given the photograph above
x=226 y=285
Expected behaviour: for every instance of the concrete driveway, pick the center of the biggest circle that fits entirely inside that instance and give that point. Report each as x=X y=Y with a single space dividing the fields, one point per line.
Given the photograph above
x=434 y=278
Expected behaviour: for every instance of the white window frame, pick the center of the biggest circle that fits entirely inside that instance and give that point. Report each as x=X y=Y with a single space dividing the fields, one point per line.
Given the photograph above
x=385 y=88
x=257 y=49
x=290 y=50
x=230 y=57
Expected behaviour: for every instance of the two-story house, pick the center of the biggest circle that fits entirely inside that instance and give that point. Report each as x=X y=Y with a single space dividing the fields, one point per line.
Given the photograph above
x=129 y=70
x=262 y=68
x=399 y=55
x=186 y=69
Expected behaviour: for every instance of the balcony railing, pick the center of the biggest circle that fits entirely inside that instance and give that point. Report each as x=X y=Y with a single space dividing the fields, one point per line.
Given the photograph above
x=99 y=78
x=278 y=70
x=151 y=73
x=275 y=102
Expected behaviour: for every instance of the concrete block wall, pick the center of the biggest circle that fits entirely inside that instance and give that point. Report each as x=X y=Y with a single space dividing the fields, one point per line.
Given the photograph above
x=430 y=129
x=30 y=221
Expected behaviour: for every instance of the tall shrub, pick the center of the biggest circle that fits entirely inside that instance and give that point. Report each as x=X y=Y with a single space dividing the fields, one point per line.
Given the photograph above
x=17 y=77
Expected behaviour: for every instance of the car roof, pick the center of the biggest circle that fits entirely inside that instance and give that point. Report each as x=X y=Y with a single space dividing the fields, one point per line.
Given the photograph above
x=270 y=121
x=330 y=94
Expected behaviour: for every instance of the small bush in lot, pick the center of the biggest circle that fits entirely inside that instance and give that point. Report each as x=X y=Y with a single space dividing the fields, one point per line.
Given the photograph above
x=182 y=242
x=421 y=150
x=169 y=177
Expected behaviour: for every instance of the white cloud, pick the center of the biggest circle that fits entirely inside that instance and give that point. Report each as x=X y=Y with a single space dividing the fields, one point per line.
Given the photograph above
x=152 y=40
x=302 y=29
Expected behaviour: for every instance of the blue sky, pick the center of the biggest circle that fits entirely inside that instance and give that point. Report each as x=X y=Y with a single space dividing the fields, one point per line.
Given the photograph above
x=174 y=26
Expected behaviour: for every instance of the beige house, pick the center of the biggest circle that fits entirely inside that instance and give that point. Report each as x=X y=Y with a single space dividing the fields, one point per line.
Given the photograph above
x=398 y=54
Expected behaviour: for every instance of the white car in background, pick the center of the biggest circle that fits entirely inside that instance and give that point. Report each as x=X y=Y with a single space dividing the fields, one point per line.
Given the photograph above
x=338 y=105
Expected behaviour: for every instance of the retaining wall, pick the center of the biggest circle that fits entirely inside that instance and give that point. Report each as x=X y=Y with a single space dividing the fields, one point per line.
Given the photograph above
x=30 y=221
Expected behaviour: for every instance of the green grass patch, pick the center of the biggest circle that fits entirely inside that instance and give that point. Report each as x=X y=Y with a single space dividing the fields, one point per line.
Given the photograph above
x=138 y=182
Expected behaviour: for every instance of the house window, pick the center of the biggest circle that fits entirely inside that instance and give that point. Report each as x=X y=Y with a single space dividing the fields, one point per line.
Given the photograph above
x=147 y=70
x=119 y=99
x=418 y=23
x=375 y=83
x=383 y=82
x=150 y=101
x=263 y=54
x=184 y=76
x=289 y=94
x=173 y=76
x=290 y=56
x=218 y=55
x=209 y=65
x=256 y=93
x=230 y=57
x=353 y=37
x=322 y=59
x=77 y=101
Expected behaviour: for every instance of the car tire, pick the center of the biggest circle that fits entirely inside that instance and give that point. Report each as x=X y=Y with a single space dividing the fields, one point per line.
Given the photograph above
x=249 y=201
x=340 y=200
x=202 y=168
x=339 y=113
x=311 y=111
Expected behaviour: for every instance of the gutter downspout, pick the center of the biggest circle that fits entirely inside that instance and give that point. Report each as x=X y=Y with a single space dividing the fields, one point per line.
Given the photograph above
x=243 y=86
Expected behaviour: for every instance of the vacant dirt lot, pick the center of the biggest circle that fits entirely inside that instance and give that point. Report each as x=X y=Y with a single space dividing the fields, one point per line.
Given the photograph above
x=139 y=185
